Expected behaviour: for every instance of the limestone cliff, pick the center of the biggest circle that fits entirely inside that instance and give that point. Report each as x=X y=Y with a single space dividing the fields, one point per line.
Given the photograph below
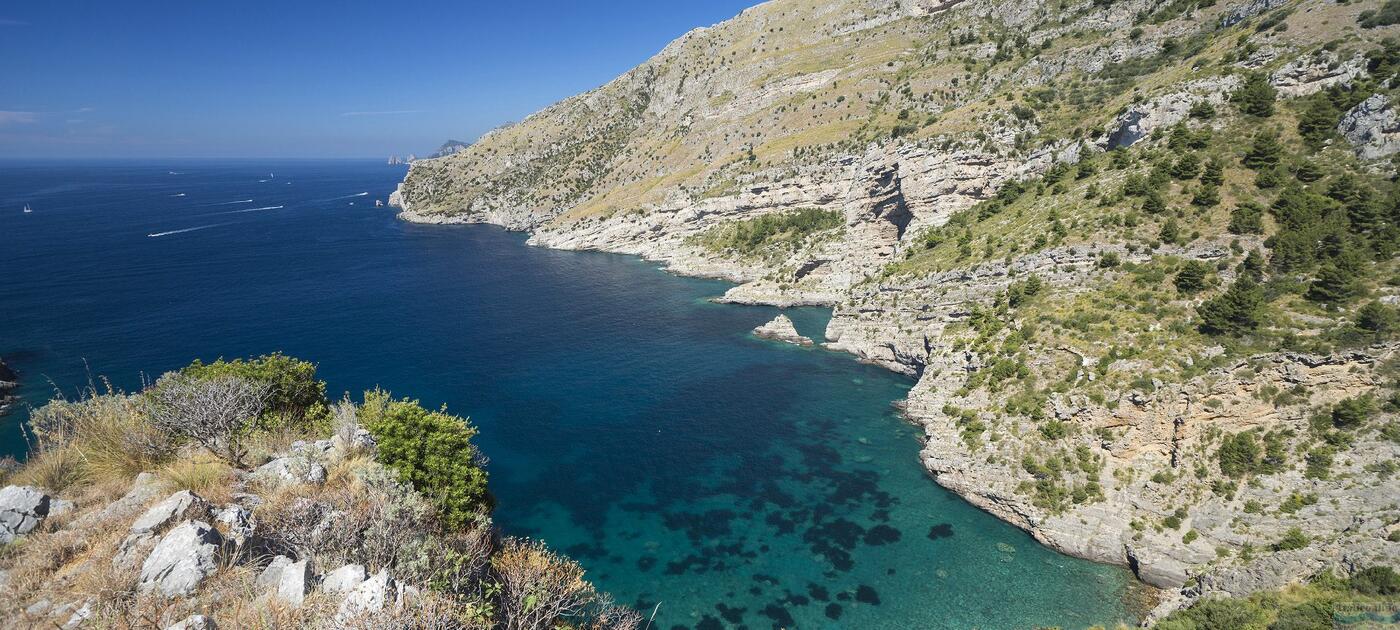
x=1038 y=205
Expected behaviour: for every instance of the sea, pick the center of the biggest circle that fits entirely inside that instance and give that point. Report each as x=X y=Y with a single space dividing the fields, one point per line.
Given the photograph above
x=709 y=478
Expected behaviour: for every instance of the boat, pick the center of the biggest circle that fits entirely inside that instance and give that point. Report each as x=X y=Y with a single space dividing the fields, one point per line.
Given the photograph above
x=27 y=209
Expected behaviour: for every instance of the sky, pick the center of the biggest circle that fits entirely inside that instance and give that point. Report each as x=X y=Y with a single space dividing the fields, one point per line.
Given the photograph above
x=308 y=78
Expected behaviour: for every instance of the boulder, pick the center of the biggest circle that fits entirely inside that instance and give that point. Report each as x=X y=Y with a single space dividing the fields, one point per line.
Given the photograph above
x=181 y=506
x=295 y=583
x=295 y=469
x=143 y=489
x=781 y=329
x=182 y=559
x=271 y=577
x=369 y=597
x=22 y=508
x=193 y=622
x=236 y=524
x=344 y=579
x=1372 y=127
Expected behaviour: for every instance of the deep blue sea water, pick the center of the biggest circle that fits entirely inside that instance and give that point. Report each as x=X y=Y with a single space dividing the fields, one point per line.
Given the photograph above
x=629 y=422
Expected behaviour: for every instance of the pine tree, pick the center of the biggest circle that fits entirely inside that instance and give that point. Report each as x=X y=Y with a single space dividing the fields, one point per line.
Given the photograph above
x=1256 y=96
x=1192 y=277
x=1235 y=312
x=1317 y=121
x=1154 y=203
x=1214 y=173
x=1187 y=166
x=1252 y=266
x=1170 y=232
x=1264 y=153
x=1247 y=218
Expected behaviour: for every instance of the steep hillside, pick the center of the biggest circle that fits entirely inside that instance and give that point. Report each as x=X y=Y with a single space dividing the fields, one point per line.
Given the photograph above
x=1140 y=255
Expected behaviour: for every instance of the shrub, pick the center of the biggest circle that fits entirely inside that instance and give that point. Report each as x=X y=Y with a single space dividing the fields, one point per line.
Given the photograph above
x=1350 y=413
x=1239 y=454
x=751 y=236
x=296 y=399
x=1388 y=14
x=538 y=587
x=1247 y=218
x=1264 y=153
x=431 y=450
x=1235 y=312
x=1255 y=96
x=215 y=412
x=1293 y=539
x=1377 y=580
x=1212 y=613
x=1192 y=277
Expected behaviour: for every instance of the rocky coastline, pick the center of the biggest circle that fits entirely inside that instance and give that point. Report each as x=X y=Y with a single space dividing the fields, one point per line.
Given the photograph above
x=1121 y=463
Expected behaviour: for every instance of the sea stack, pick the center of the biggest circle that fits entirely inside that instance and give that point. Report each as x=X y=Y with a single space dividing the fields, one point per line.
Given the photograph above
x=781 y=329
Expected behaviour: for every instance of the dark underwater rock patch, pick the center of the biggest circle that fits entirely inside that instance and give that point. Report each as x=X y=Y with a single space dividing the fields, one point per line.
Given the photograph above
x=867 y=595
x=833 y=610
x=881 y=535
x=780 y=616
x=818 y=592
x=941 y=530
x=730 y=614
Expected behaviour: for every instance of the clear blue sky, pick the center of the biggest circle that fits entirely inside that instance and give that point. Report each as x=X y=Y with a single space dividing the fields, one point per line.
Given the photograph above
x=326 y=78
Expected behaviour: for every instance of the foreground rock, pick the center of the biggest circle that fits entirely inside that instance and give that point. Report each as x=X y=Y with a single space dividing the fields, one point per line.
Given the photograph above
x=781 y=329
x=182 y=559
x=22 y=508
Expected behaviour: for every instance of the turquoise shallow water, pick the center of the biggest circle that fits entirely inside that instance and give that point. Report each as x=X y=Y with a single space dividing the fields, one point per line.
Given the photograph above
x=735 y=482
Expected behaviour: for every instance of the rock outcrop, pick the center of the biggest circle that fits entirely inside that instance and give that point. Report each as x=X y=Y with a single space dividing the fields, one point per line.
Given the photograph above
x=182 y=559
x=1372 y=127
x=781 y=329
x=22 y=508
x=9 y=380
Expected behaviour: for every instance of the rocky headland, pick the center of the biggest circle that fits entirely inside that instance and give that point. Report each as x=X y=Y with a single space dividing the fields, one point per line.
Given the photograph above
x=1138 y=256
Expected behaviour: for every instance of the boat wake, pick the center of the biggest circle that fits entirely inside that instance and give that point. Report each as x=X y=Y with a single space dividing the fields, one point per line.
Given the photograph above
x=363 y=194
x=178 y=195
x=193 y=229
x=229 y=203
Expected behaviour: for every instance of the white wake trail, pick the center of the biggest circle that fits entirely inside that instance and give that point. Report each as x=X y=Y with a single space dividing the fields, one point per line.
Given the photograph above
x=229 y=203
x=363 y=194
x=193 y=229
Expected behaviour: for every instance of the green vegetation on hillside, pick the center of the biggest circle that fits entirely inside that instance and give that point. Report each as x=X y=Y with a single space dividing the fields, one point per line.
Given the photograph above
x=770 y=234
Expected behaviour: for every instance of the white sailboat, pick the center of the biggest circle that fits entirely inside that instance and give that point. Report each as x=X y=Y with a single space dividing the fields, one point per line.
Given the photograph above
x=27 y=209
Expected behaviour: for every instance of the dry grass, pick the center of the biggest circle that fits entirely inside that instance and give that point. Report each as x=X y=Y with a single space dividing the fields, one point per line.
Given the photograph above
x=201 y=473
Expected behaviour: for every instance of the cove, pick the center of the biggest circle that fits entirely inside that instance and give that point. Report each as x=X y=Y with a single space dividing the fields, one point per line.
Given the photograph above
x=718 y=479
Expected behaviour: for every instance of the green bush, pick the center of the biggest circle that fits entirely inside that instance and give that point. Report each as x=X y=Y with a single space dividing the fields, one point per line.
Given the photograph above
x=1255 y=96
x=1217 y=614
x=1192 y=277
x=431 y=450
x=296 y=399
x=1235 y=312
x=1376 y=581
x=1388 y=14
x=1293 y=539
x=751 y=236
x=1239 y=454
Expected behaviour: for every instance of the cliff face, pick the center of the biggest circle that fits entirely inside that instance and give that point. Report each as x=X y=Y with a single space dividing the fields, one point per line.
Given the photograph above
x=1021 y=187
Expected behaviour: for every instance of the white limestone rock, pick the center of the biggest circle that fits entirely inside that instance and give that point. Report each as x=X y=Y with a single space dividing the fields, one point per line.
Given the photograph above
x=344 y=579
x=1372 y=127
x=271 y=576
x=293 y=469
x=194 y=622
x=371 y=596
x=295 y=582
x=22 y=508
x=781 y=329
x=182 y=559
x=181 y=506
